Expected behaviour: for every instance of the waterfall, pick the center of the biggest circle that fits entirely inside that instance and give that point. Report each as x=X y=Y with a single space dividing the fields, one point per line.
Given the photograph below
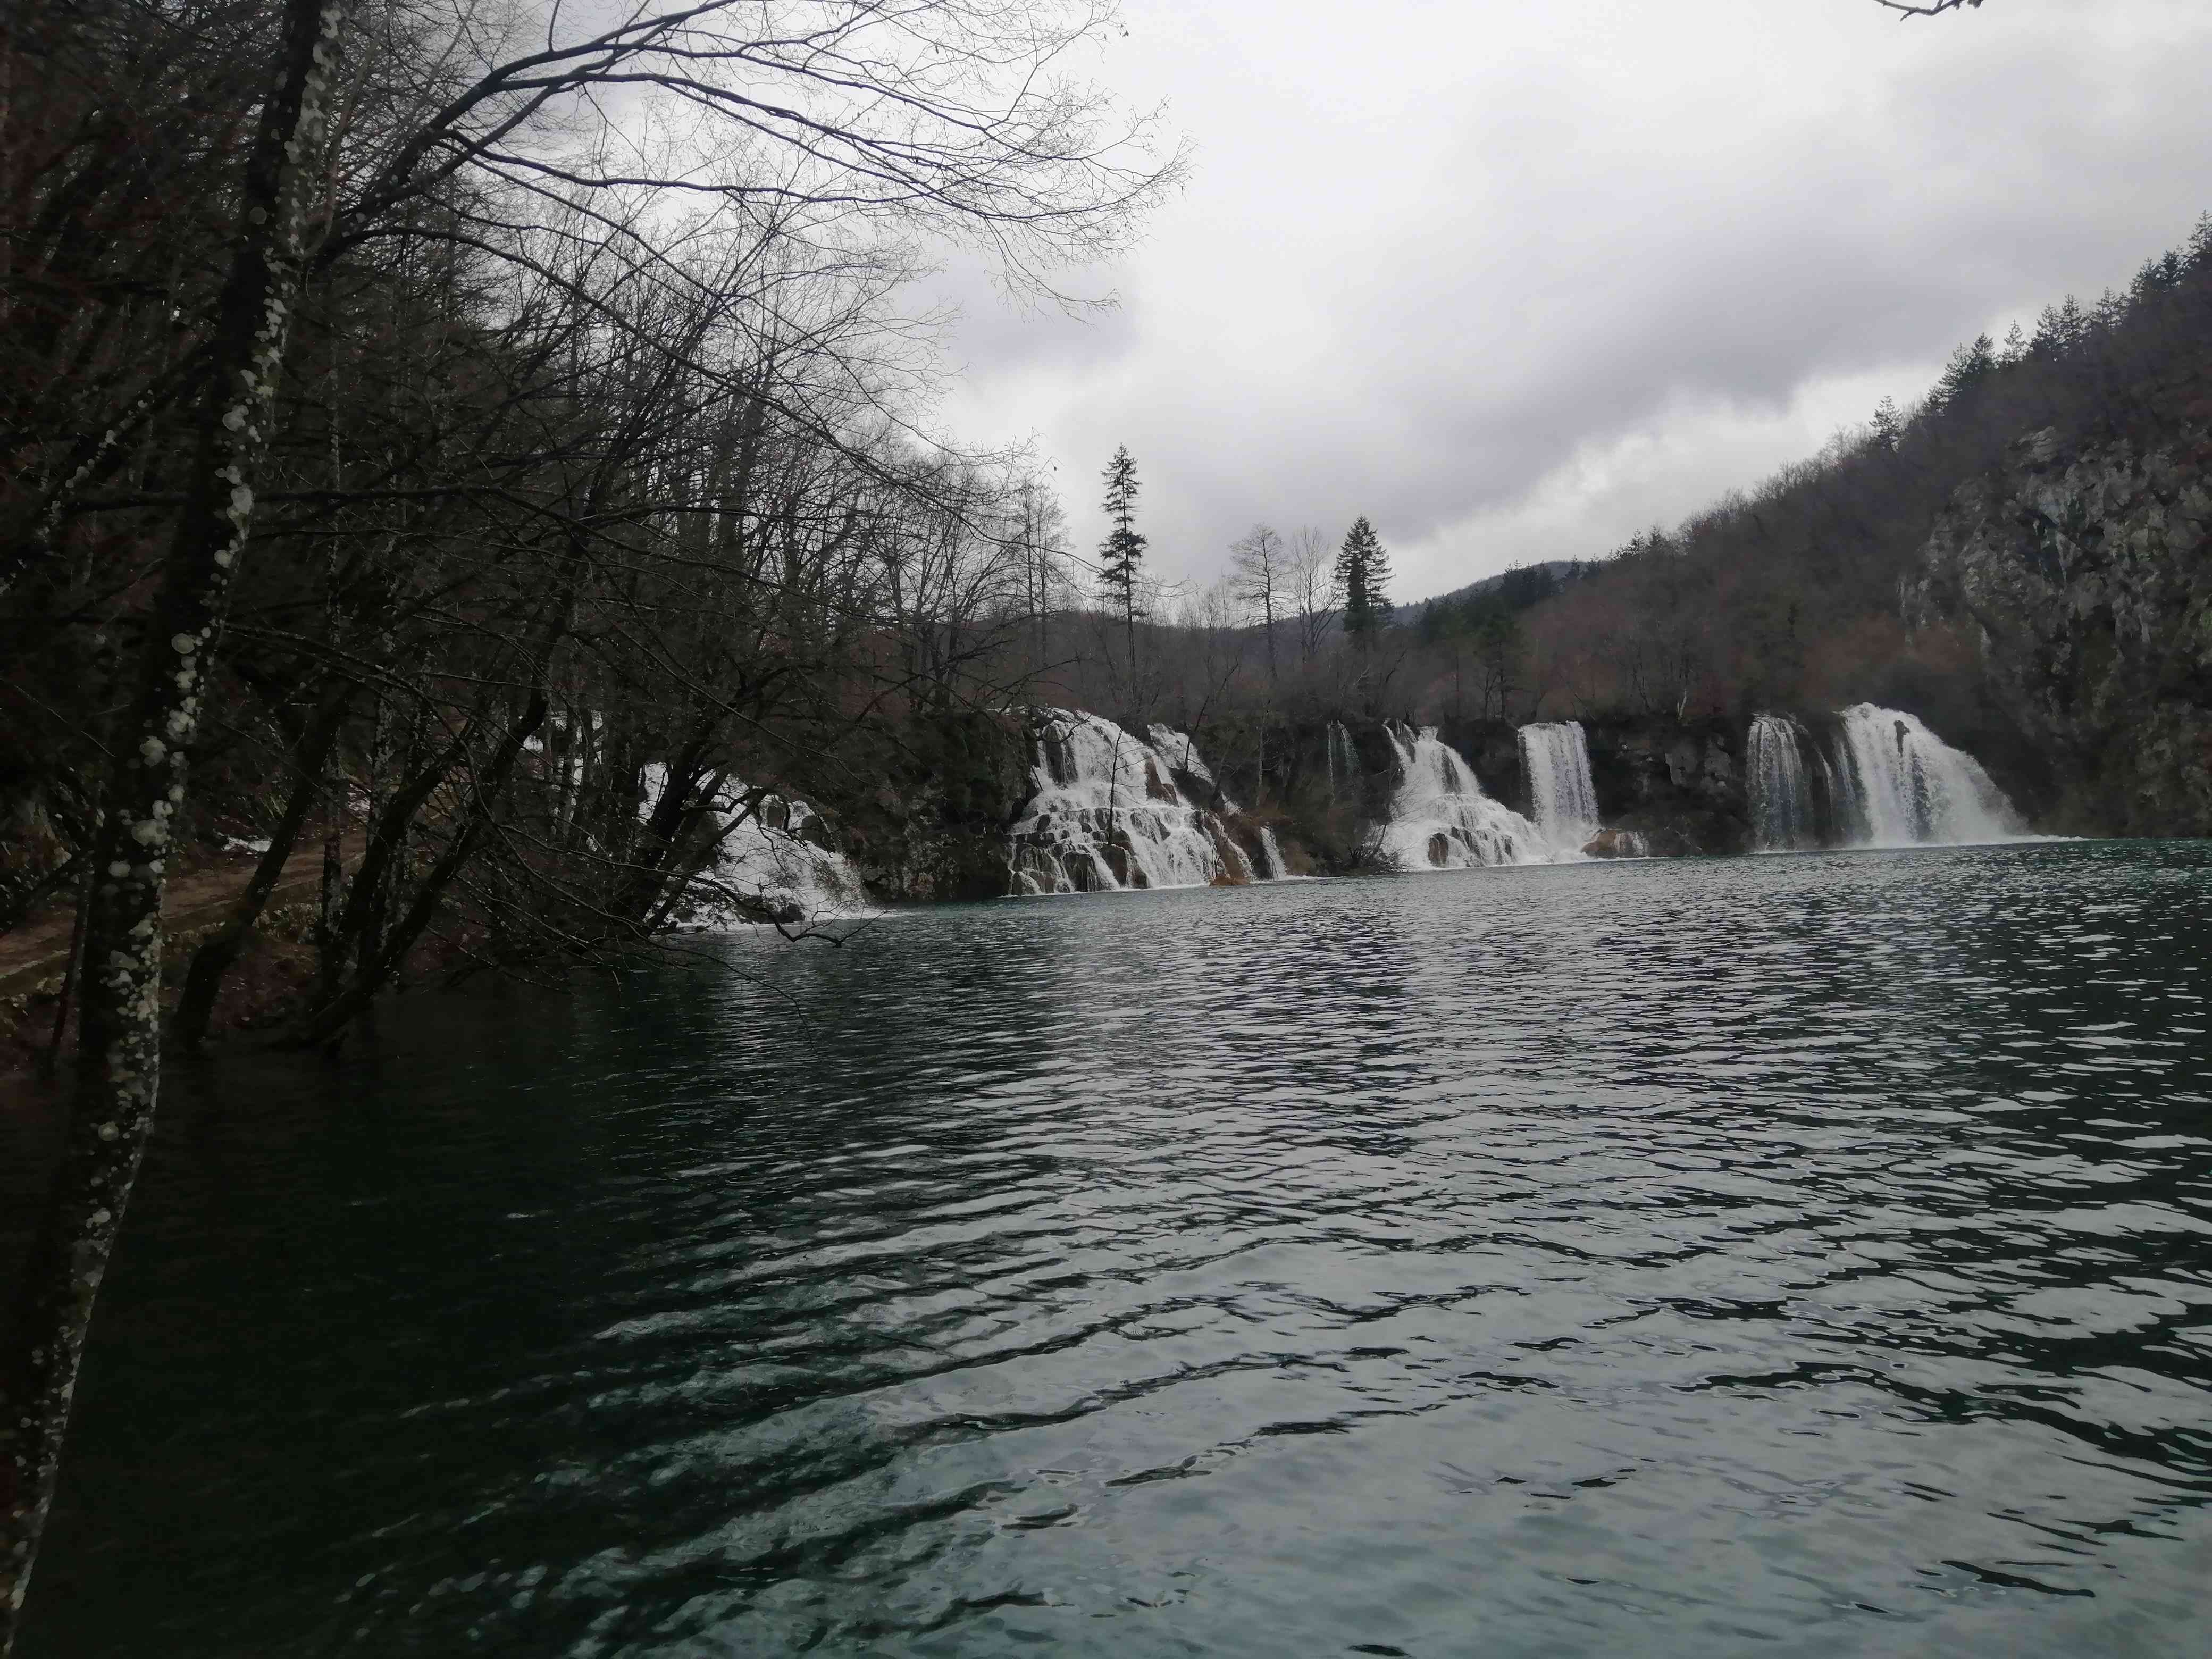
x=1108 y=813
x=1343 y=760
x=1183 y=756
x=1277 y=870
x=1783 y=812
x=1556 y=757
x=1440 y=819
x=1879 y=779
x=1902 y=784
x=770 y=864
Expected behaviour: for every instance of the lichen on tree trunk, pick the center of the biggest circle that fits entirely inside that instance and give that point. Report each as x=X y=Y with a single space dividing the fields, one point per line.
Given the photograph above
x=118 y=1068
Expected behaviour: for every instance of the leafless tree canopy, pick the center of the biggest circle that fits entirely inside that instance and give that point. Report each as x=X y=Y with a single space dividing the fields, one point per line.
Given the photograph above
x=489 y=442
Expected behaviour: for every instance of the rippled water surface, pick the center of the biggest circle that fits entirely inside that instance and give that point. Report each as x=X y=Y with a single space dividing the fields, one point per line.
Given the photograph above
x=1806 y=1254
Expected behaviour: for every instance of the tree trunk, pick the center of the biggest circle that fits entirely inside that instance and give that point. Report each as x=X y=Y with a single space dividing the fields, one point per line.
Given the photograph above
x=203 y=980
x=327 y=1023
x=118 y=1066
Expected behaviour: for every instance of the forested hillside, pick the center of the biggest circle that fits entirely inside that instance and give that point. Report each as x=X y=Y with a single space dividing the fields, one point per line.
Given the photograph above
x=1795 y=594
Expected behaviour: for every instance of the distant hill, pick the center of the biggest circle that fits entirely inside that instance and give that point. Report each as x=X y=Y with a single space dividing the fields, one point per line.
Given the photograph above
x=1515 y=589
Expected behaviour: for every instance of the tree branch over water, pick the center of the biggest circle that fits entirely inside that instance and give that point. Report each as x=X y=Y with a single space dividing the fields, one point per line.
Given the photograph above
x=535 y=399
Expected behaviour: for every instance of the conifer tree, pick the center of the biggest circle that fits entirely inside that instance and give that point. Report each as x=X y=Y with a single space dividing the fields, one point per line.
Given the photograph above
x=1362 y=573
x=1888 y=423
x=1970 y=365
x=1123 y=550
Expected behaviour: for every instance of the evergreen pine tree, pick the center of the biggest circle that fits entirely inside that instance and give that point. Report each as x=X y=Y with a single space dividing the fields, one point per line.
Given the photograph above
x=1970 y=366
x=1362 y=572
x=1123 y=550
x=1888 y=423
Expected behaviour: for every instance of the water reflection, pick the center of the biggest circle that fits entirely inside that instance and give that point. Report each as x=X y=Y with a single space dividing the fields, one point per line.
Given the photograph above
x=1807 y=1250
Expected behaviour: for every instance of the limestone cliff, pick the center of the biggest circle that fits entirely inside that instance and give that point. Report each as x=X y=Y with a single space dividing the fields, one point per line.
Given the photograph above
x=2087 y=577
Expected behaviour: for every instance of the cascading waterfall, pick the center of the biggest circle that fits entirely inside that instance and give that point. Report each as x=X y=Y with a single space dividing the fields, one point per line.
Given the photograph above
x=1556 y=757
x=770 y=863
x=1881 y=779
x=1343 y=761
x=1440 y=819
x=1783 y=812
x=1902 y=784
x=1273 y=854
x=1183 y=757
x=1108 y=814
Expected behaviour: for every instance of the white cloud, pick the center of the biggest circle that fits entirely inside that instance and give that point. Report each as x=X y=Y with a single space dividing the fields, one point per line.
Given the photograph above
x=1516 y=280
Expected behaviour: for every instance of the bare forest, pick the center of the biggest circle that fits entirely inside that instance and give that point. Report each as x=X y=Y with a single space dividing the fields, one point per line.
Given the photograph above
x=489 y=444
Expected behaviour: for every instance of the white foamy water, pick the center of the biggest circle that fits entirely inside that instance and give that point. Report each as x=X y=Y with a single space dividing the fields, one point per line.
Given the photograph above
x=1784 y=812
x=1182 y=755
x=1271 y=854
x=765 y=866
x=1108 y=813
x=1440 y=819
x=1902 y=785
x=1880 y=779
x=1556 y=755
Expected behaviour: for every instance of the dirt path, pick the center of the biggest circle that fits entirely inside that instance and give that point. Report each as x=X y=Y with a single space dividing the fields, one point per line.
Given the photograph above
x=40 y=948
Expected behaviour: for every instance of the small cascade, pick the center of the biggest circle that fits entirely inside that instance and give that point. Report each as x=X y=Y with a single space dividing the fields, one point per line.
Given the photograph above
x=771 y=863
x=1879 y=778
x=1556 y=757
x=1273 y=854
x=1108 y=813
x=1440 y=819
x=1784 y=813
x=1902 y=785
x=1343 y=763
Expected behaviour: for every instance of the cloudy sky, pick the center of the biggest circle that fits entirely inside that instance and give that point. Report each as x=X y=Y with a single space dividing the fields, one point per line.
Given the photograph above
x=1515 y=278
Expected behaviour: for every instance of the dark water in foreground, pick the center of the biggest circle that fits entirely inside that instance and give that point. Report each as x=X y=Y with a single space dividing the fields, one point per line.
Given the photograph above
x=1806 y=1254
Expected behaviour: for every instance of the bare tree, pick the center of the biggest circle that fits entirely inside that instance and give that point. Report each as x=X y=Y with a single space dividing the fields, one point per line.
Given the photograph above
x=1313 y=589
x=119 y=1047
x=855 y=126
x=1040 y=540
x=1262 y=581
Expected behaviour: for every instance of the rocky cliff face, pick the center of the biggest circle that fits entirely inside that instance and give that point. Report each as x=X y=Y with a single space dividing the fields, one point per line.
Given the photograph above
x=933 y=825
x=1680 y=787
x=2087 y=577
x=1677 y=787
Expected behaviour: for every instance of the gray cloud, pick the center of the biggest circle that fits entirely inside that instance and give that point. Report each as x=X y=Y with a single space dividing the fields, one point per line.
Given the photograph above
x=1515 y=284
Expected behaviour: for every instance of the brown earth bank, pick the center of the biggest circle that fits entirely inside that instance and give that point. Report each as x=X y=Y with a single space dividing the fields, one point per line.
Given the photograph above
x=269 y=982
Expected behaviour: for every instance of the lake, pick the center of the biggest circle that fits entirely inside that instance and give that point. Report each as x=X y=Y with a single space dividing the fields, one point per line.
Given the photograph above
x=1805 y=1254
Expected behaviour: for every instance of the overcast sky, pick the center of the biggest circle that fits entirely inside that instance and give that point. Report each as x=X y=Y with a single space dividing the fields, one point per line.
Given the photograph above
x=1517 y=278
